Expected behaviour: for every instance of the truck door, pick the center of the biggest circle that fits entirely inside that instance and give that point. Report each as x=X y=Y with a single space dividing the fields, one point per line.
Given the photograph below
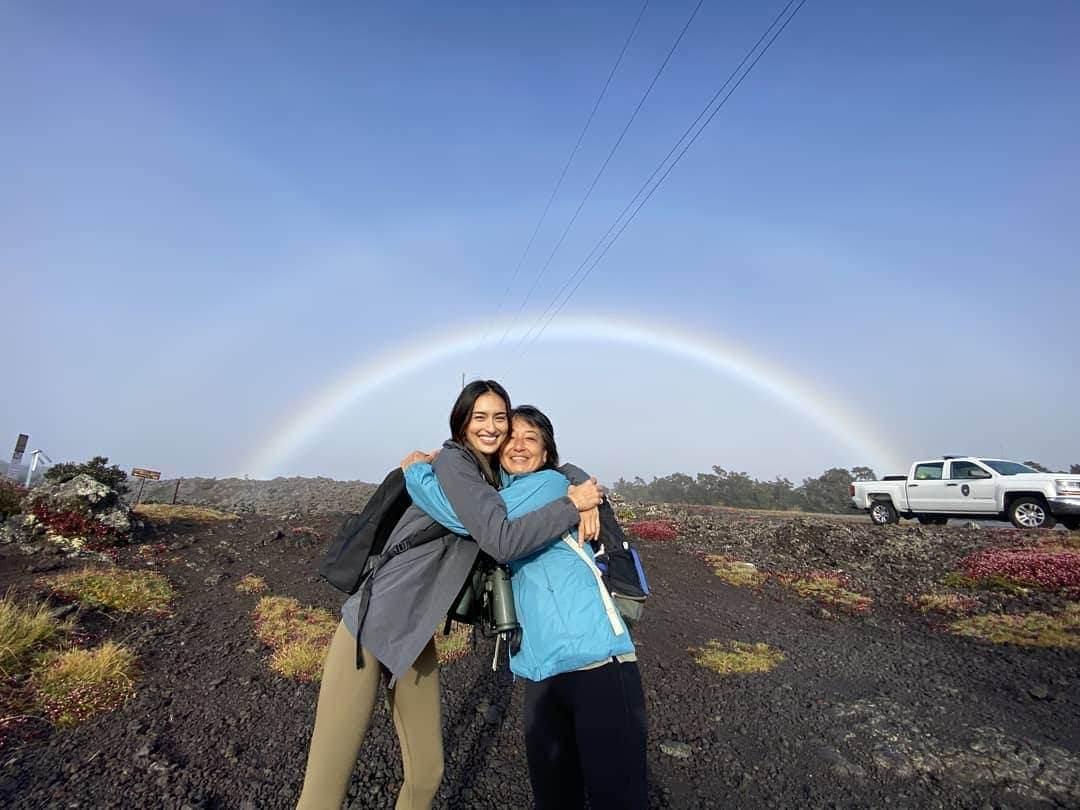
x=926 y=490
x=969 y=488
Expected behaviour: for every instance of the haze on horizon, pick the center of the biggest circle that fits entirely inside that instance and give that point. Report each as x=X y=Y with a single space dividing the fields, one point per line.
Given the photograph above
x=210 y=217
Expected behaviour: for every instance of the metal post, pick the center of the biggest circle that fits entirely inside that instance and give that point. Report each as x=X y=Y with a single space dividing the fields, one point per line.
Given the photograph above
x=37 y=454
x=142 y=483
x=177 y=490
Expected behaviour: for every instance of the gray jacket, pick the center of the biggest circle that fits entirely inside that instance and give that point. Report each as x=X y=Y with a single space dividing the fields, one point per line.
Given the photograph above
x=412 y=593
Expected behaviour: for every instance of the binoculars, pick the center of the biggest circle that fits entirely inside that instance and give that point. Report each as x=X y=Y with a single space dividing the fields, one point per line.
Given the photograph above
x=487 y=600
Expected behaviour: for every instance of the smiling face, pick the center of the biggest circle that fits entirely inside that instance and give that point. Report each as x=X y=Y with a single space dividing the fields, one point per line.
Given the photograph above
x=524 y=451
x=487 y=424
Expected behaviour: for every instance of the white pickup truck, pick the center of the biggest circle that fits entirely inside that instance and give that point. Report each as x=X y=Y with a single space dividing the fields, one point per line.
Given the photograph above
x=966 y=487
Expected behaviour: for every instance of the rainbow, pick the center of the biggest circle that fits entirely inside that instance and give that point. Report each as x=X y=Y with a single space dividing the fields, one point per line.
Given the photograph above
x=310 y=417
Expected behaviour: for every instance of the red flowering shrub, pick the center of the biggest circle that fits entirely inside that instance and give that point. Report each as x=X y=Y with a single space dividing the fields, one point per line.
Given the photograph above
x=1045 y=566
x=653 y=530
x=71 y=524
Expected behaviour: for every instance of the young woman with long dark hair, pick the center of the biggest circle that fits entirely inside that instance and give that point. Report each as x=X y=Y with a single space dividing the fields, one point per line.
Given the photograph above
x=409 y=599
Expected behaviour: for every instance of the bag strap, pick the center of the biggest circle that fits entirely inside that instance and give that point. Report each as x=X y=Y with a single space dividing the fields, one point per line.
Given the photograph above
x=432 y=532
x=605 y=597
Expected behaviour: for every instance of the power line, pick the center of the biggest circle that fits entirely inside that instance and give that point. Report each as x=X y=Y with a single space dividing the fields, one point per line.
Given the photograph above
x=604 y=165
x=656 y=171
x=667 y=171
x=570 y=159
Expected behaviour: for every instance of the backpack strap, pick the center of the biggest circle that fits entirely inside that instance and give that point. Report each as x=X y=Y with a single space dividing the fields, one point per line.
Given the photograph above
x=432 y=532
x=605 y=597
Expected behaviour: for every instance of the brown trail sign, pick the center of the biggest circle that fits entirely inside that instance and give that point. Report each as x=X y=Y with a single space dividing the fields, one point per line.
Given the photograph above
x=139 y=472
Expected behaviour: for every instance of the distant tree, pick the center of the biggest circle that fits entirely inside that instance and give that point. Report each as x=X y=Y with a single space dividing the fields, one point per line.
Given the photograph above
x=863 y=474
x=1037 y=466
x=97 y=468
x=828 y=492
x=636 y=490
x=1074 y=469
x=782 y=494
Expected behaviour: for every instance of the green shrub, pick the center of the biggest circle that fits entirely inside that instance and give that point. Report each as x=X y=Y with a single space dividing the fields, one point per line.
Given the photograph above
x=11 y=498
x=97 y=468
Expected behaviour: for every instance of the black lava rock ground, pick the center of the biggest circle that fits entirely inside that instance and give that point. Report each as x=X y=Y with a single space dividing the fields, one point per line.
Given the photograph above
x=872 y=710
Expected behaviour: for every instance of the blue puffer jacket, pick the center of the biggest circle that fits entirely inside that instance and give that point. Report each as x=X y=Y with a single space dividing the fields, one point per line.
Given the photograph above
x=567 y=617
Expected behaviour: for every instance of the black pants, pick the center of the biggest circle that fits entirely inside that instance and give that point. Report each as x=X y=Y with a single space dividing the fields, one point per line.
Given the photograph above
x=586 y=731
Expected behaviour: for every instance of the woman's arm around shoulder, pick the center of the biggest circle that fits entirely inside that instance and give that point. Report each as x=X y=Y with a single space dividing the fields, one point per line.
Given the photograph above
x=574 y=474
x=482 y=510
x=424 y=489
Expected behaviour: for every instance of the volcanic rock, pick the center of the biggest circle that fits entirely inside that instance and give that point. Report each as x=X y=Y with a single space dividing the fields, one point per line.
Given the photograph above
x=90 y=498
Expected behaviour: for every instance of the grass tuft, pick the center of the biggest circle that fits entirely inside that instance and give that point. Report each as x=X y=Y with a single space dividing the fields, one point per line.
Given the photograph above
x=301 y=660
x=298 y=636
x=829 y=589
x=74 y=686
x=737 y=657
x=736 y=572
x=1026 y=629
x=949 y=604
x=166 y=513
x=454 y=646
x=25 y=631
x=116 y=588
x=251 y=584
x=994 y=582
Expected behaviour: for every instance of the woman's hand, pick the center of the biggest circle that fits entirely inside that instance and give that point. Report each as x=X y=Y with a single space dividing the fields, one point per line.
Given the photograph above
x=586 y=496
x=415 y=456
x=589 y=529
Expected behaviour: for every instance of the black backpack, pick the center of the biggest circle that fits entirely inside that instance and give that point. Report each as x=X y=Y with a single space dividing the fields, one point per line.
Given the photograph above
x=364 y=535
x=359 y=549
x=620 y=566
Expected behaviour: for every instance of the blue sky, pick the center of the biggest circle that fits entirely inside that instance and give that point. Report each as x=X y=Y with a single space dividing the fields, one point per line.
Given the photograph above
x=210 y=214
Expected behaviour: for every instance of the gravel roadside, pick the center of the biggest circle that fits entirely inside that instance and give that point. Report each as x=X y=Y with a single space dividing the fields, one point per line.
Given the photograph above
x=872 y=709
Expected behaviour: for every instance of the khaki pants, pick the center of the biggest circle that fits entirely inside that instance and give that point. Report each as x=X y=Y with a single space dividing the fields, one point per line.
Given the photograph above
x=346 y=702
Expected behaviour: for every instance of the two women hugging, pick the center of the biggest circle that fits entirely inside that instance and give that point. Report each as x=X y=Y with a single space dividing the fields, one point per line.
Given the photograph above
x=496 y=485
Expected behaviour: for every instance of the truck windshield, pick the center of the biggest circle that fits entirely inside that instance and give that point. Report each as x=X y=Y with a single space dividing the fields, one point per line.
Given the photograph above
x=1008 y=467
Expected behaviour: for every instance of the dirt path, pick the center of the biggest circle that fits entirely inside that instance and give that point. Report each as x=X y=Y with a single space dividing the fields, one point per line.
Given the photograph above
x=867 y=710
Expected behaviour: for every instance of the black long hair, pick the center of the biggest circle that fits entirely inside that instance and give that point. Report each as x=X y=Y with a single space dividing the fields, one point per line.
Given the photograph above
x=461 y=413
x=538 y=419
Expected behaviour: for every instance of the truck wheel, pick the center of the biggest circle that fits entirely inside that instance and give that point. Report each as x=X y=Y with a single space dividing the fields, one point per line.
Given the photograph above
x=1071 y=523
x=882 y=513
x=1030 y=513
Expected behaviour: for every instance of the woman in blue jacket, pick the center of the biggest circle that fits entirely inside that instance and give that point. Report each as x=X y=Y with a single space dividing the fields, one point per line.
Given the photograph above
x=584 y=707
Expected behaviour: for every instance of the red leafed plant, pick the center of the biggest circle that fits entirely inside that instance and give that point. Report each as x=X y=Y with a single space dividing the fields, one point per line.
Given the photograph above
x=1045 y=567
x=653 y=530
x=71 y=524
